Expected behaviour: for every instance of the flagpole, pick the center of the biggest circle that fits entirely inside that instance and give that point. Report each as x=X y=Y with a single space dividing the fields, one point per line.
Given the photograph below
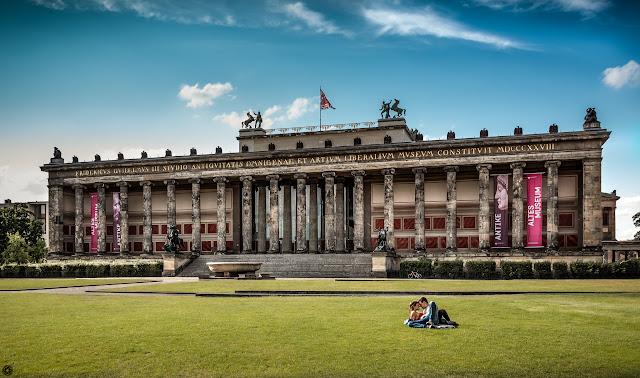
x=321 y=108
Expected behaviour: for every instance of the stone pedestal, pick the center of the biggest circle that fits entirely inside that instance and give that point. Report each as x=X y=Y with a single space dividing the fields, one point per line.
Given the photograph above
x=381 y=264
x=173 y=263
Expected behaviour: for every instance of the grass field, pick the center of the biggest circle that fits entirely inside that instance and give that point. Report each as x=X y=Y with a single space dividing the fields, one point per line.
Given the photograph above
x=27 y=283
x=516 y=335
x=227 y=286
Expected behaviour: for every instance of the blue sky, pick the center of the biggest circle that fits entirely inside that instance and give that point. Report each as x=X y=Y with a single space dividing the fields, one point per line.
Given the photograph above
x=103 y=76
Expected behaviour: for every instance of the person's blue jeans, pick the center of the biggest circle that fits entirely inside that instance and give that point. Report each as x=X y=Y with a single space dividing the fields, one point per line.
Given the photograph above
x=434 y=315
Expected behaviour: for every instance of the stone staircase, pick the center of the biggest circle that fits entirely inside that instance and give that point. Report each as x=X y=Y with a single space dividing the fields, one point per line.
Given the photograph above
x=293 y=265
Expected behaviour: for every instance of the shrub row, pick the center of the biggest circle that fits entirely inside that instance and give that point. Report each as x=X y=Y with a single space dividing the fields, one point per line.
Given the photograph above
x=83 y=269
x=520 y=269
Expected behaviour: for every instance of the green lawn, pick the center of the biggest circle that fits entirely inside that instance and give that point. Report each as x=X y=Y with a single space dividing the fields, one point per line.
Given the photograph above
x=516 y=335
x=227 y=286
x=26 y=283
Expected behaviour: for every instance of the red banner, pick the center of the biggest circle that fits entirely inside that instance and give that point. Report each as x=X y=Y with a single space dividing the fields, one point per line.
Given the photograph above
x=534 y=210
x=94 y=222
x=116 y=222
x=324 y=103
x=501 y=212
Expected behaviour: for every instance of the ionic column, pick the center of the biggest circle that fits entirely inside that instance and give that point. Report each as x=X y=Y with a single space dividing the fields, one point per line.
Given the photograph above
x=247 y=214
x=221 y=212
x=339 y=215
x=552 y=205
x=452 y=208
x=591 y=204
x=79 y=219
x=301 y=212
x=56 y=205
x=287 y=230
x=484 y=223
x=419 y=208
x=329 y=215
x=171 y=202
x=196 y=216
x=517 y=231
x=147 y=245
x=274 y=214
x=262 y=216
x=124 y=217
x=102 y=218
x=313 y=216
x=358 y=211
x=388 y=207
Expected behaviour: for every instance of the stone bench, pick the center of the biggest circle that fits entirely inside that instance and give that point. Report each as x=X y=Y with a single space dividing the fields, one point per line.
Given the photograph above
x=235 y=269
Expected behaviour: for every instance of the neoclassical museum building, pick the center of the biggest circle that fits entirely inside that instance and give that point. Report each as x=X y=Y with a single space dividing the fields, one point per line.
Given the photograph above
x=318 y=196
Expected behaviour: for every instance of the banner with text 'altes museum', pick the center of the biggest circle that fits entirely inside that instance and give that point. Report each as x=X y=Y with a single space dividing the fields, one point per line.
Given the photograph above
x=534 y=210
x=501 y=212
x=116 y=222
x=94 y=222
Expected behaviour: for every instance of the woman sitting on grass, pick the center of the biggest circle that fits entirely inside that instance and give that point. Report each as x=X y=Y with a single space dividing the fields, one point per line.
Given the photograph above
x=414 y=311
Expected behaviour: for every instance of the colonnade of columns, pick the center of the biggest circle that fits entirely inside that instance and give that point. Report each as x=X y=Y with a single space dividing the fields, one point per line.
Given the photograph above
x=334 y=211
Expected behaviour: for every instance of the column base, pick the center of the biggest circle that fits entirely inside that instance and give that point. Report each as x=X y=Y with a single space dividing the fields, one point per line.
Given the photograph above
x=452 y=250
x=551 y=250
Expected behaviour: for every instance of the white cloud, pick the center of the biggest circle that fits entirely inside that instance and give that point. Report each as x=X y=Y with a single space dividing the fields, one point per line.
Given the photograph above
x=312 y=19
x=232 y=119
x=205 y=95
x=272 y=110
x=428 y=22
x=300 y=106
x=618 y=77
x=586 y=7
x=625 y=209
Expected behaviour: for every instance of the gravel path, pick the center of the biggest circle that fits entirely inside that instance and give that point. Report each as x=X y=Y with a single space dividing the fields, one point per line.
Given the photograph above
x=91 y=290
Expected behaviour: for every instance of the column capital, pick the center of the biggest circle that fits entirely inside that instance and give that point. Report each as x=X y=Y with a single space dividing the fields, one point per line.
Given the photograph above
x=195 y=181
x=301 y=176
x=552 y=163
x=417 y=170
x=358 y=173
x=273 y=177
x=145 y=183
x=451 y=168
x=519 y=164
x=100 y=185
x=220 y=180
x=78 y=186
x=481 y=167
x=246 y=178
x=328 y=174
x=169 y=182
x=122 y=184
x=388 y=171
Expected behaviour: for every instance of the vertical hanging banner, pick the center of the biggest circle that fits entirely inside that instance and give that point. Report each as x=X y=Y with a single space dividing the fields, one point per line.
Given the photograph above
x=116 y=222
x=534 y=210
x=94 y=222
x=501 y=210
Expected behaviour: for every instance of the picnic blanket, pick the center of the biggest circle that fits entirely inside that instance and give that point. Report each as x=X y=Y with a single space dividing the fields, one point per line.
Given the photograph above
x=413 y=324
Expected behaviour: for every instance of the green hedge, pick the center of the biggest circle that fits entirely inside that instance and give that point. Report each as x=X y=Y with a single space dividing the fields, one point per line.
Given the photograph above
x=560 y=269
x=482 y=270
x=422 y=266
x=80 y=269
x=516 y=269
x=448 y=269
x=542 y=269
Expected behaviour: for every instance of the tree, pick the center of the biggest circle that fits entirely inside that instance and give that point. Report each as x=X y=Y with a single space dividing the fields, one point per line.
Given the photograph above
x=18 y=219
x=636 y=222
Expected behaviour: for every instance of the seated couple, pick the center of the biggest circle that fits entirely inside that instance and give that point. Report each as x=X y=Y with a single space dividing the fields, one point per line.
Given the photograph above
x=425 y=314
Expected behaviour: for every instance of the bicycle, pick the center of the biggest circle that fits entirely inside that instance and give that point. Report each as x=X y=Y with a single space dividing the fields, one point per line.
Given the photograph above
x=414 y=274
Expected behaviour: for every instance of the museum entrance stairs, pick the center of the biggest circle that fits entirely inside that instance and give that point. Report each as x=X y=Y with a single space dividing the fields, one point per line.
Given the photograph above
x=292 y=265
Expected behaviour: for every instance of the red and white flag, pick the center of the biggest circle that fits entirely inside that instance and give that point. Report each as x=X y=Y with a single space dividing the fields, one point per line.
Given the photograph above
x=324 y=103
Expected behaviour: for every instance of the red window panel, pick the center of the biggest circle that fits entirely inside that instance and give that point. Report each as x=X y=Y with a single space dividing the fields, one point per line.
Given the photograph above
x=212 y=228
x=215 y=245
x=431 y=242
x=572 y=240
x=109 y=248
x=462 y=242
x=379 y=223
x=397 y=223
x=565 y=220
x=188 y=228
x=137 y=246
x=164 y=229
x=413 y=243
x=458 y=222
x=65 y=230
x=402 y=243
x=561 y=242
x=409 y=223
x=374 y=242
x=229 y=245
x=491 y=239
x=86 y=247
x=109 y=230
x=443 y=242
x=87 y=231
x=439 y=223
x=226 y=229
x=474 y=241
x=159 y=246
x=427 y=223
x=202 y=228
x=469 y=222
x=206 y=246
x=140 y=230
x=179 y=227
x=68 y=247
x=132 y=230
x=184 y=246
